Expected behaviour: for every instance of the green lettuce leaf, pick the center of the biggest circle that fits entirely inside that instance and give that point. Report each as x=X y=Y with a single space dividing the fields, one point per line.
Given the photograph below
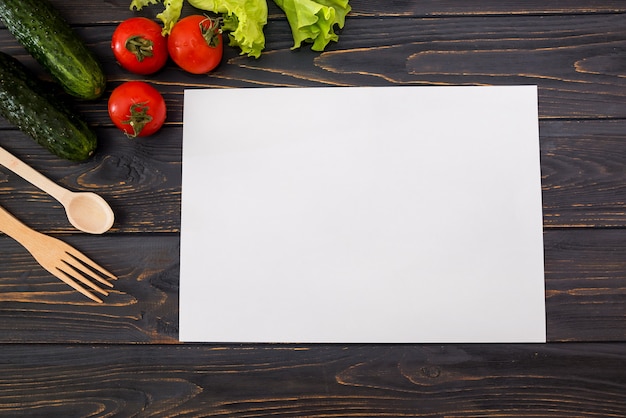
x=169 y=16
x=313 y=21
x=139 y=4
x=243 y=20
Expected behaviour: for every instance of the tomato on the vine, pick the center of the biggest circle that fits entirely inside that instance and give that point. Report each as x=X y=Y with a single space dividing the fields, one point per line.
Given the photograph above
x=195 y=44
x=137 y=108
x=139 y=46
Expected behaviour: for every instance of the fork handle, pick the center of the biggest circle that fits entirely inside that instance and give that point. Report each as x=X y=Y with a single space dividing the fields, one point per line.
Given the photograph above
x=17 y=230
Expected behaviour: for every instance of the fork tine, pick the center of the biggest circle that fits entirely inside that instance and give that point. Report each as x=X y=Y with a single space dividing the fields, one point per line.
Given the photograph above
x=81 y=274
x=77 y=255
x=65 y=278
x=82 y=268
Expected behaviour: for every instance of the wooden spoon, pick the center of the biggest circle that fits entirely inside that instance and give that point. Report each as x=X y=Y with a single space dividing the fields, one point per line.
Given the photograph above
x=86 y=211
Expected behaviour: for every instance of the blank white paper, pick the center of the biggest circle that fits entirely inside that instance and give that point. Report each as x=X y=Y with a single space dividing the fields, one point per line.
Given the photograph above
x=362 y=215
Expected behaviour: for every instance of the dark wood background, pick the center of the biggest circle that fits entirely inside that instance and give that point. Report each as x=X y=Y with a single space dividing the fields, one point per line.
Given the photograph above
x=61 y=355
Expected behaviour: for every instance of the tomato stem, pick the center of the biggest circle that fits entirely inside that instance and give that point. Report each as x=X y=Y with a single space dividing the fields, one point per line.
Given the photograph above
x=210 y=28
x=138 y=118
x=140 y=47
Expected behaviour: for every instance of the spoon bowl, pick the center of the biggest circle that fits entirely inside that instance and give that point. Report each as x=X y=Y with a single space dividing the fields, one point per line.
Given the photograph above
x=88 y=212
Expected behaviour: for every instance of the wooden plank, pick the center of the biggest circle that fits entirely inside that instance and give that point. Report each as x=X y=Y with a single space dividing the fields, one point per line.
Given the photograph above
x=585 y=293
x=90 y=13
x=578 y=71
x=582 y=167
x=143 y=307
x=483 y=7
x=574 y=59
x=582 y=380
x=585 y=284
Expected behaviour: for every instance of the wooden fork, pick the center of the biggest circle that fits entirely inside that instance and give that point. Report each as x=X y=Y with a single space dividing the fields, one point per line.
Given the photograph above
x=57 y=257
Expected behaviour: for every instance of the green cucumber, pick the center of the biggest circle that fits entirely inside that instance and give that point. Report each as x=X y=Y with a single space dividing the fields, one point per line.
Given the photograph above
x=32 y=106
x=43 y=32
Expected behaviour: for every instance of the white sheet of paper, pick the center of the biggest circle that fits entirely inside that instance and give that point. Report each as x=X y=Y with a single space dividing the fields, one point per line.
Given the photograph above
x=362 y=215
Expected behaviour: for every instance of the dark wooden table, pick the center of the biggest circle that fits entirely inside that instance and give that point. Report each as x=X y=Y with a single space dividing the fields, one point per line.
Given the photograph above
x=61 y=355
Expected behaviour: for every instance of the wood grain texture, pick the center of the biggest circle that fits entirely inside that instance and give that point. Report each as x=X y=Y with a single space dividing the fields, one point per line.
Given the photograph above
x=113 y=11
x=577 y=60
x=62 y=355
x=585 y=290
x=585 y=284
x=583 y=168
x=573 y=380
x=142 y=307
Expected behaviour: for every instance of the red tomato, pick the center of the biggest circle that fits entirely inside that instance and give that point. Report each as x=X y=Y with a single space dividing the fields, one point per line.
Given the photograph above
x=195 y=44
x=137 y=108
x=138 y=45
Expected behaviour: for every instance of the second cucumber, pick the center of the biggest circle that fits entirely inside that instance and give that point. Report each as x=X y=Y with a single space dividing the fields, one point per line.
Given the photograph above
x=45 y=34
x=32 y=106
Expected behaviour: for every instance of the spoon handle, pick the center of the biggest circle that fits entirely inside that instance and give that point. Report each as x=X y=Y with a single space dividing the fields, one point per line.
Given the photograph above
x=33 y=176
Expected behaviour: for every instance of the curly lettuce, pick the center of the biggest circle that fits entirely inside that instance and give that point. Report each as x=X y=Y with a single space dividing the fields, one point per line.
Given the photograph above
x=169 y=16
x=313 y=21
x=243 y=20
